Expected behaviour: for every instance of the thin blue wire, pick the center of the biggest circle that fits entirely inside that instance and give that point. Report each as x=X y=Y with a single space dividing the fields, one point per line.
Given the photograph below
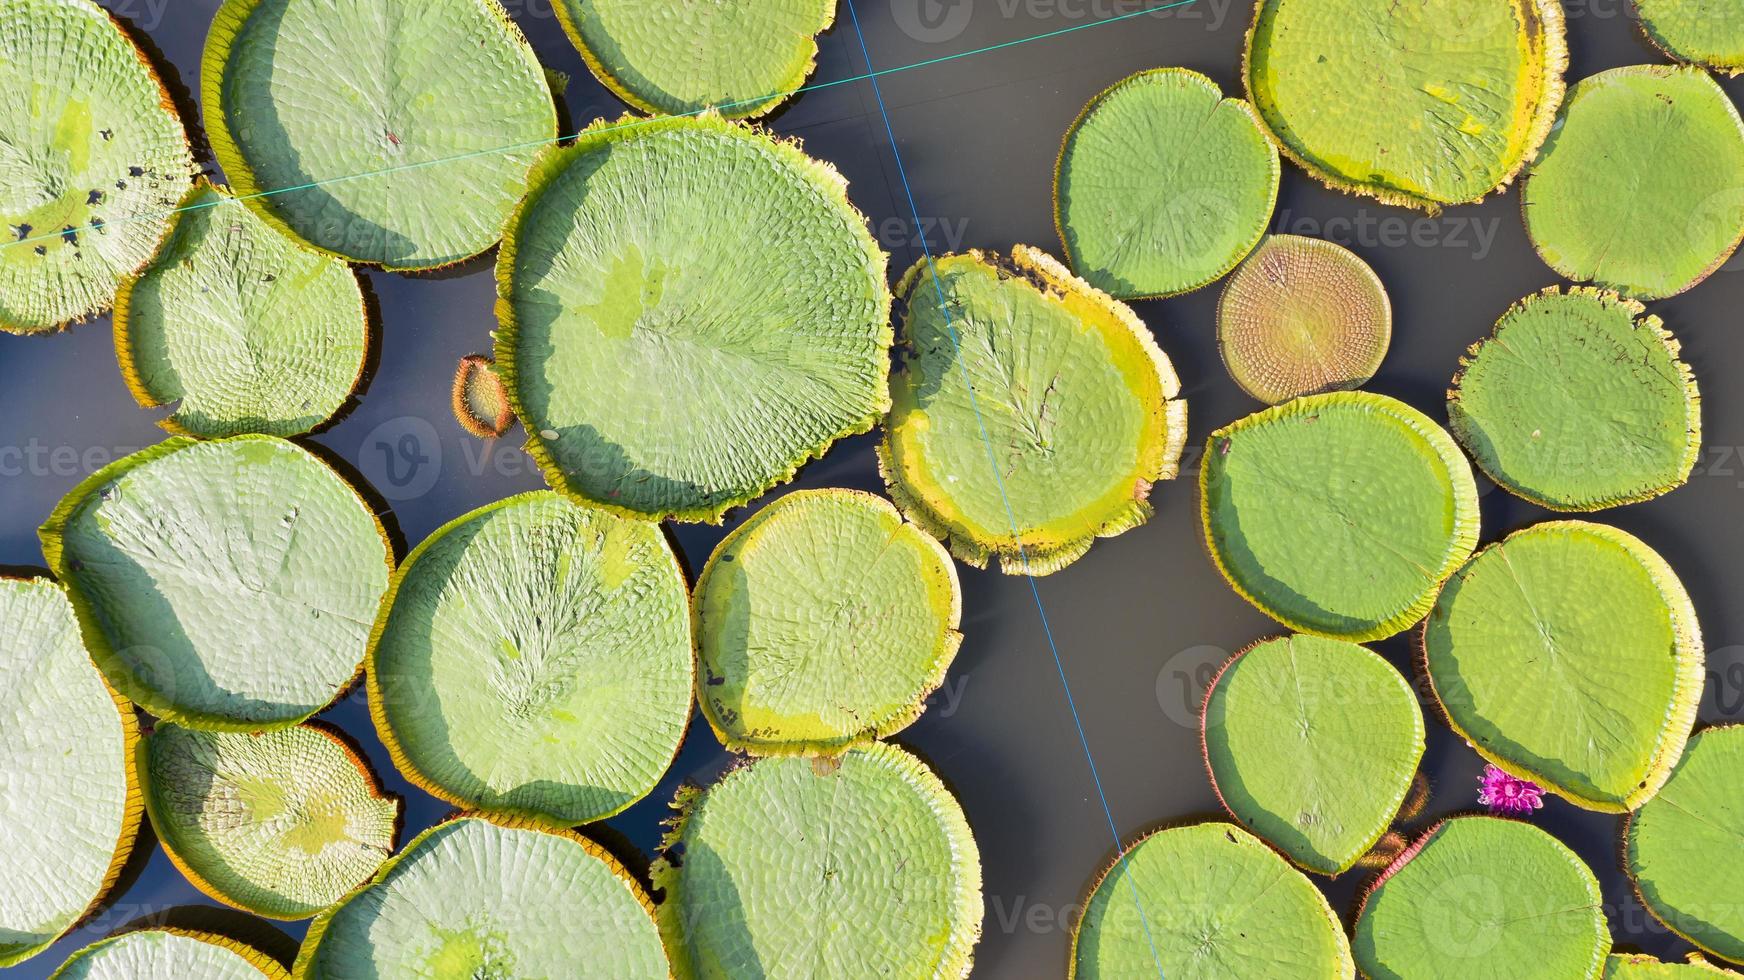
x=993 y=461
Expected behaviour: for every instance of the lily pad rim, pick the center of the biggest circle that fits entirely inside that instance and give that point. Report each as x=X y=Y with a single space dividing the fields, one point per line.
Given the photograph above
x=166 y=102
x=1661 y=71
x=1042 y=555
x=1277 y=169
x=666 y=875
x=1643 y=320
x=122 y=318
x=1466 y=517
x=52 y=535
x=1691 y=681
x=1625 y=836
x=228 y=22
x=1723 y=66
x=943 y=654
x=1392 y=814
x=133 y=808
x=255 y=957
x=758 y=106
x=553 y=164
x=371 y=670
x=1552 y=92
x=332 y=733
x=311 y=944
x=1109 y=864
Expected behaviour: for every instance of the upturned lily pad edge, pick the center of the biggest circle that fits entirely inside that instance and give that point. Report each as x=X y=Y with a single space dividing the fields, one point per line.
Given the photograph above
x=1277 y=172
x=52 y=534
x=1728 y=66
x=1686 y=702
x=1038 y=553
x=255 y=957
x=943 y=654
x=474 y=425
x=552 y=164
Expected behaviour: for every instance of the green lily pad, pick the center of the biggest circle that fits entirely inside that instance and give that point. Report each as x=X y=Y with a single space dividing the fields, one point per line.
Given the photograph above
x=481 y=404
x=1424 y=104
x=1301 y=317
x=1569 y=654
x=1030 y=419
x=1163 y=185
x=845 y=868
x=742 y=57
x=824 y=622
x=1578 y=402
x=1641 y=190
x=694 y=256
x=244 y=327
x=477 y=897
x=1338 y=515
x=1483 y=897
x=1681 y=848
x=1704 y=32
x=1206 y=902
x=192 y=565
x=281 y=823
x=69 y=802
x=397 y=133
x=1313 y=744
x=165 y=952
x=93 y=161
x=1634 y=966
x=534 y=658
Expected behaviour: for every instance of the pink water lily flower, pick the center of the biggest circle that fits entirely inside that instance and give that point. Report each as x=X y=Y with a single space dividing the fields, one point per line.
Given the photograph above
x=1503 y=793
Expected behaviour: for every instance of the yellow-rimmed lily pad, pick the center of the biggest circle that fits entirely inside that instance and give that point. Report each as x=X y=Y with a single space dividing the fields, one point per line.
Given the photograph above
x=1704 y=32
x=1637 y=966
x=1033 y=413
x=281 y=823
x=481 y=404
x=1569 y=654
x=69 y=801
x=823 y=622
x=169 y=952
x=1425 y=104
x=93 y=162
x=223 y=585
x=246 y=329
x=534 y=658
x=1340 y=514
x=690 y=310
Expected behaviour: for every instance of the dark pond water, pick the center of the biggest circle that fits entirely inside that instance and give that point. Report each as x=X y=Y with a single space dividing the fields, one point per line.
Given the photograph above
x=1142 y=621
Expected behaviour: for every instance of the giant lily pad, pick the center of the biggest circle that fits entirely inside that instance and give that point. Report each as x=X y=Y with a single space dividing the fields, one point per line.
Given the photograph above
x=1483 y=896
x=1682 y=849
x=281 y=823
x=1569 y=654
x=1705 y=32
x=166 y=952
x=1578 y=402
x=794 y=867
x=223 y=585
x=1163 y=185
x=824 y=621
x=1300 y=317
x=1423 y=104
x=1033 y=413
x=395 y=132
x=1338 y=514
x=742 y=57
x=1641 y=190
x=93 y=161
x=690 y=310
x=534 y=658
x=477 y=897
x=1206 y=902
x=1634 y=966
x=69 y=804
x=248 y=330
x=1312 y=744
